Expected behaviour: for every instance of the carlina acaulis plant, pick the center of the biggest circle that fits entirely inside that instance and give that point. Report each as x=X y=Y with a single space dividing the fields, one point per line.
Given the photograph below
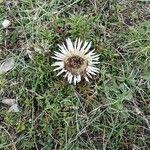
x=76 y=60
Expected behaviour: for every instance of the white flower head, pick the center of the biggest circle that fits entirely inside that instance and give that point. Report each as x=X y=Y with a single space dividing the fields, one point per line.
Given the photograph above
x=76 y=60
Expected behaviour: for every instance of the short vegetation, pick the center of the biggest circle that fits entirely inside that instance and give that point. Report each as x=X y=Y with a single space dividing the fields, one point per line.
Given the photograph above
x=112 y=112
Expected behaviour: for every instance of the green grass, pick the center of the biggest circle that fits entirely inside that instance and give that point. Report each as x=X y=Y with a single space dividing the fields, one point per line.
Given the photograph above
x=112 y=111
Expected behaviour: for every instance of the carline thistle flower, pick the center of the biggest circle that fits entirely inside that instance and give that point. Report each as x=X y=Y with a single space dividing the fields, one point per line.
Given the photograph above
x=76 y=60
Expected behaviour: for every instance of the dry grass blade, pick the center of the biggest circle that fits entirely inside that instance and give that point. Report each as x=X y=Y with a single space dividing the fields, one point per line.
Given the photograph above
x=12 y=141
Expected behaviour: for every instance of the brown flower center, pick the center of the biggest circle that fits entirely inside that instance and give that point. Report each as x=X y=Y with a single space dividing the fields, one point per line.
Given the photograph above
x=76 y=65
x=75 y=62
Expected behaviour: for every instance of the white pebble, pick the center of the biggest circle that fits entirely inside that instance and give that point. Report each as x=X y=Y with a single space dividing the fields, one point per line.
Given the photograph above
x=9 y=102
x=14 y=108
x=6 y=23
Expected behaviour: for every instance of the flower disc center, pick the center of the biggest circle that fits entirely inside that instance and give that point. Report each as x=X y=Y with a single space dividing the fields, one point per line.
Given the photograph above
x=76 y=65
x=75 y=62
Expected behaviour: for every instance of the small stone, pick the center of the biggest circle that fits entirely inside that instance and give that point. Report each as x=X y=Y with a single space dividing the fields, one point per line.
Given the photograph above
x=6 y=23
x=14 y=108
x=9 y=102
x=7 y=65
